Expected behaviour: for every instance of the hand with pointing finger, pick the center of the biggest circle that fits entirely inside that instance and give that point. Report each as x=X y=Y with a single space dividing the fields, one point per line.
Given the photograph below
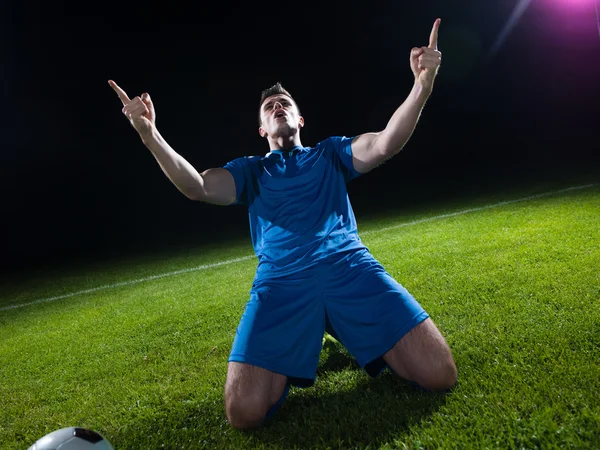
x=425 y=61
x=139 y=110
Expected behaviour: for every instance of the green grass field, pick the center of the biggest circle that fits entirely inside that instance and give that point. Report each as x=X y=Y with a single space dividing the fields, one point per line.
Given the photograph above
x=514 y=288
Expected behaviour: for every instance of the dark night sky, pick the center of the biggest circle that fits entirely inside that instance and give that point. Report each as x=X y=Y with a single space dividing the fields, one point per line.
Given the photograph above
x=76 y=179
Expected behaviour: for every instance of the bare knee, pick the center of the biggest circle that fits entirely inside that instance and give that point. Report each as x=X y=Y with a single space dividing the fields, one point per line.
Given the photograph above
x=249 y=393
x=245 y=412
x=442 y=378
x=423 y=356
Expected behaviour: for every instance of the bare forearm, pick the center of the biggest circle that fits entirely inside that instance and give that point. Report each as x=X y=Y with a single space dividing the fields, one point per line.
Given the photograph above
x=403 y=122
x=181 y=173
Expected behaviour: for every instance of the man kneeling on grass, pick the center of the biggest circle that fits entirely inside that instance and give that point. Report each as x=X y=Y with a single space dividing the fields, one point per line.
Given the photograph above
x=314 y=274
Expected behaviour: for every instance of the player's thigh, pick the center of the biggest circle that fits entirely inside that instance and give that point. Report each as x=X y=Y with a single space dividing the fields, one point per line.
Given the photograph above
x=250 y=391
x=368 y=310
x=423 y=356
x=282 y=327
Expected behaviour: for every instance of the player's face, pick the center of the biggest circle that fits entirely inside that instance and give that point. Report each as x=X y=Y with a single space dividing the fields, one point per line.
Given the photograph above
x=279 y=116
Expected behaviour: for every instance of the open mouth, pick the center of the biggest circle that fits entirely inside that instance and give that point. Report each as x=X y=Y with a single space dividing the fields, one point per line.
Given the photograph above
x=279 y=115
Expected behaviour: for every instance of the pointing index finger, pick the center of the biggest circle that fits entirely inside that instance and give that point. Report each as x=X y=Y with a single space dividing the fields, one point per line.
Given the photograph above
x=120 y=92
x=433 y=38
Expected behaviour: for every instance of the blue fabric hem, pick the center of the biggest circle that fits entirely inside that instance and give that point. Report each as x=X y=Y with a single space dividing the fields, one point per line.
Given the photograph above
x=296 y=380
x=277 y=405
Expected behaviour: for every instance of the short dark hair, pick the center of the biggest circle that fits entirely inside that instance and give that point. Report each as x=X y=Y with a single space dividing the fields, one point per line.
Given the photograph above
x=276 y=89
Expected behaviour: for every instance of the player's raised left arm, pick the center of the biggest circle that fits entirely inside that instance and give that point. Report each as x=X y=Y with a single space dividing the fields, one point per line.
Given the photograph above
x=371 y=149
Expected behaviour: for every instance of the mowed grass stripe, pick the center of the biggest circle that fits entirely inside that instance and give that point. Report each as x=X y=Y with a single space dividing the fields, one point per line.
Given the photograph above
x=480 y=208
x=128 y=283
x=514 y=290
x=247 y=257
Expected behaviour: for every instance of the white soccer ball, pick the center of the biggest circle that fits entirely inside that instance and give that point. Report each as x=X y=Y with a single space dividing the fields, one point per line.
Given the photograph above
x=72 y=438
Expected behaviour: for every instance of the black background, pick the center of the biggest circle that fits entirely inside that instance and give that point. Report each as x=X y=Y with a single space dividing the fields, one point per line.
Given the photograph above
x=77 y=182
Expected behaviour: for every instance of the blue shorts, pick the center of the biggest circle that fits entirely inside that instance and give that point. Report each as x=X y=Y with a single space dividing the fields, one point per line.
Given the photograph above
x=349 y=295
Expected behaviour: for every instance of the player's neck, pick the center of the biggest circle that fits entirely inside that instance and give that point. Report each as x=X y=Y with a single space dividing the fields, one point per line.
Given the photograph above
x=285 y=142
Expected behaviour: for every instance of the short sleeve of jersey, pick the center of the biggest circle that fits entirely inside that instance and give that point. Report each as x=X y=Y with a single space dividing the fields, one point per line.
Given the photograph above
x=342 y=150
x=242 y=170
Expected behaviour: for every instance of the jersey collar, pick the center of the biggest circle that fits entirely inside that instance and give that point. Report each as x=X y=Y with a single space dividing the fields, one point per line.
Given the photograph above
x=282 y=151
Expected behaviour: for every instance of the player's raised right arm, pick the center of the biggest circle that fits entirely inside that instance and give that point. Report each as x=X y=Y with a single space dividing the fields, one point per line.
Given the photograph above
x=215 y=186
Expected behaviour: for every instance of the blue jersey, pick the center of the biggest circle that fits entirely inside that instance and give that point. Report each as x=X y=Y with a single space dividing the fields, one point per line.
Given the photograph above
x=298 y=204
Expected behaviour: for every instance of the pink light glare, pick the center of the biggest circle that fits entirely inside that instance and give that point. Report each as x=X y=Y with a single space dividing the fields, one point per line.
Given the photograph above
x=580 y=11
x=572 y=4
x=574 y=17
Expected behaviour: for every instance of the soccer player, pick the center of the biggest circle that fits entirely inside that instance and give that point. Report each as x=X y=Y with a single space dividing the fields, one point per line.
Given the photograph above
x=314 y=274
